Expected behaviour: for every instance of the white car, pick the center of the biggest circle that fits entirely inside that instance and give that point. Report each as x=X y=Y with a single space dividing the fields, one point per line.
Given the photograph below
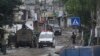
x=46 y=39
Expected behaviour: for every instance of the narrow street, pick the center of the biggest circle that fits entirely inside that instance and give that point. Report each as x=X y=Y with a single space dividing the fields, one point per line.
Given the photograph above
x=33 y=23
x=61 y=41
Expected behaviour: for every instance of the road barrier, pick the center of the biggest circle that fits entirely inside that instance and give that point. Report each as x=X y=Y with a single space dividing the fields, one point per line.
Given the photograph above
x=81 y=51
x=96 y=50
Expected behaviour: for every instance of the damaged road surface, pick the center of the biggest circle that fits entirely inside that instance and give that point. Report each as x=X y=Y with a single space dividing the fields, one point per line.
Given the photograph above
x=46 y=51
x=61 y=41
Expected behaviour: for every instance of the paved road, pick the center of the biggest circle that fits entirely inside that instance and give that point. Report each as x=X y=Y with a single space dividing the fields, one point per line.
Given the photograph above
x=61 y=41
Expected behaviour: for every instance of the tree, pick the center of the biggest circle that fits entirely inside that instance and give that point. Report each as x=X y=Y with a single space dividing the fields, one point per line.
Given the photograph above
x=64 y=1
x=83 y=9
x=7 y=9
x=73 y=7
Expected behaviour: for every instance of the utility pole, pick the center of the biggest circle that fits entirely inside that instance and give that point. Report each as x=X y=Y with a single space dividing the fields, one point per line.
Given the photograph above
x=54 y=16
x=45 y=14
x=35 y=22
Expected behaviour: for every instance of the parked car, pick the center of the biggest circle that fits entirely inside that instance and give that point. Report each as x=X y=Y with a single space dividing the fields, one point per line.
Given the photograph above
x=46 y=39
x=57 y=30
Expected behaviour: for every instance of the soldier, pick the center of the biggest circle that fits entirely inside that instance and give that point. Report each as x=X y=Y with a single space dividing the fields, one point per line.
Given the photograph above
x=73 y=38
x=3 y=40
x=11 y=40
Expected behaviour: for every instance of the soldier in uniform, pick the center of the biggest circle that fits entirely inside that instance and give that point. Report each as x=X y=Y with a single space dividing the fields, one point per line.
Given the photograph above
x=73 y=38
x=3 y=40
x=11 y=39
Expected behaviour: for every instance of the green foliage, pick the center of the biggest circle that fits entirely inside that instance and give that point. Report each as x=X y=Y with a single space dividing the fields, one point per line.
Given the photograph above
x=7 y=6
x=73 y=6
x=86 y=37
x=81 y=8
x=64 y=1
x=6 y=10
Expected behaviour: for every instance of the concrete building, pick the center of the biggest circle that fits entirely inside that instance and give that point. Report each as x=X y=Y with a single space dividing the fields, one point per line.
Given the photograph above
x=24 y=11
x=23 y=14
x=33 y=10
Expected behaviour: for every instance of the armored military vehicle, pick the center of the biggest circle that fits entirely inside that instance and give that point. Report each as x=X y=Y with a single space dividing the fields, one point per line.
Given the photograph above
x=25 y=37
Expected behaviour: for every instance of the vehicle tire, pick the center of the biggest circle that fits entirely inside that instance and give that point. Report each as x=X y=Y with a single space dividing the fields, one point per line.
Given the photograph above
x=31 y=45
x=16 y=45
x=60 y=33
x=40 y=46
x=53 y=46
x=35 y=44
